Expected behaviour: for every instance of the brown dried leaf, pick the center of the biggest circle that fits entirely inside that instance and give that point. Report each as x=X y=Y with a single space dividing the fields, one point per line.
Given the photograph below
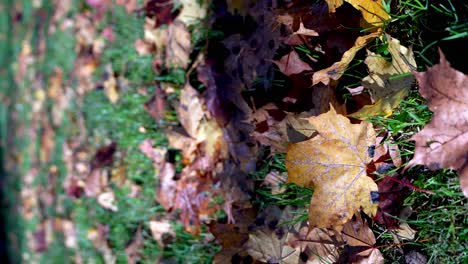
x=135 y=248
x=443 y=143
x=178 y=46
x=335 y=71
x=387 y=82
x=269 y=247
x=334 y=163
x=291 y=64
x=162 y=232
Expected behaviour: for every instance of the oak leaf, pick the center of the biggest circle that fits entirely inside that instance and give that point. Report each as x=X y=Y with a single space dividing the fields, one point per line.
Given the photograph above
x=443 y=143
x=334 y=163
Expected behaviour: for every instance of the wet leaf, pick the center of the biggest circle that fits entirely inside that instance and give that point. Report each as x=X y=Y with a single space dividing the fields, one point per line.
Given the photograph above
x=334 y=163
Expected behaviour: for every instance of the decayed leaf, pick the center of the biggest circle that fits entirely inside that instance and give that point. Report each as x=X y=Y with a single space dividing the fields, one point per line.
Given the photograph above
x=110 y=86
x=178 y=46
x=192 y=11
x=358 y=234
x=162 y=232
x=372 y=10
x=198 y=124
x=275 y=181
x=335 y=71
x=389 y=81
x=277 y=129
x=319 y=244
x=291 y=64
x=98 y=238
x=134 y=249
x=269 y=247
x=165 y=172
x=334 y=163
x=443 y=143
x=107 y=200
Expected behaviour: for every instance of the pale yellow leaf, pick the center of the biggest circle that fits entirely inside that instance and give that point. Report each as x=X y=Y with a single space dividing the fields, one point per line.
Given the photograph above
x=334 y=164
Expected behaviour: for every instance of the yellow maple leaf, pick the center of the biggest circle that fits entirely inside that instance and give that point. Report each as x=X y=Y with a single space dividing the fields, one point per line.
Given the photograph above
x=389 y=82
x=336 y=70
x=372 y=11
x=334 y=164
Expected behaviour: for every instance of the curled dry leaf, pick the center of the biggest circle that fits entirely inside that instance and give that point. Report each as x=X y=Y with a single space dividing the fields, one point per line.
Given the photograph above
x=389 y=82
x=335 y=71
x=334 y=162
x=443 y=143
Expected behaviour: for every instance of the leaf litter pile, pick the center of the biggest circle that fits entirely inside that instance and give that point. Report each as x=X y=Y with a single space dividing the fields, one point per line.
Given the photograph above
x=266 y=80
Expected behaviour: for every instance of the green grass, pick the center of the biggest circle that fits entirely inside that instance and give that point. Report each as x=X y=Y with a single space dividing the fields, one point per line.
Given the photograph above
x=439 y=219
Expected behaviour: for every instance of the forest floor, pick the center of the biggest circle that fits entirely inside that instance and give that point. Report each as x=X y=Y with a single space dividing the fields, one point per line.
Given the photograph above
x=240 y=132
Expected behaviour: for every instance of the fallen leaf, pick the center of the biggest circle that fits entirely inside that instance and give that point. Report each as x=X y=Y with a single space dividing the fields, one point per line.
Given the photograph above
x=162 y=232
x=269 y=247
x=276 y=128
x=130 y=5
x=179 y=45
x=268 y=238
x=275 y=181
x=98 y=238
x=358 y=234
x=392 y=194
x=156 y=106
x=320 y=245
x=291 y=64
x=107 y=200
x=403 y=232
x=111 y=89
x=161 y=10
x=389 y=82
x=298 y=37
x=335 y=71
x=192 y=11
x=443 y=143
x=334 y=163
x=134 y=249
x=165 y=171
x=372 y=10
